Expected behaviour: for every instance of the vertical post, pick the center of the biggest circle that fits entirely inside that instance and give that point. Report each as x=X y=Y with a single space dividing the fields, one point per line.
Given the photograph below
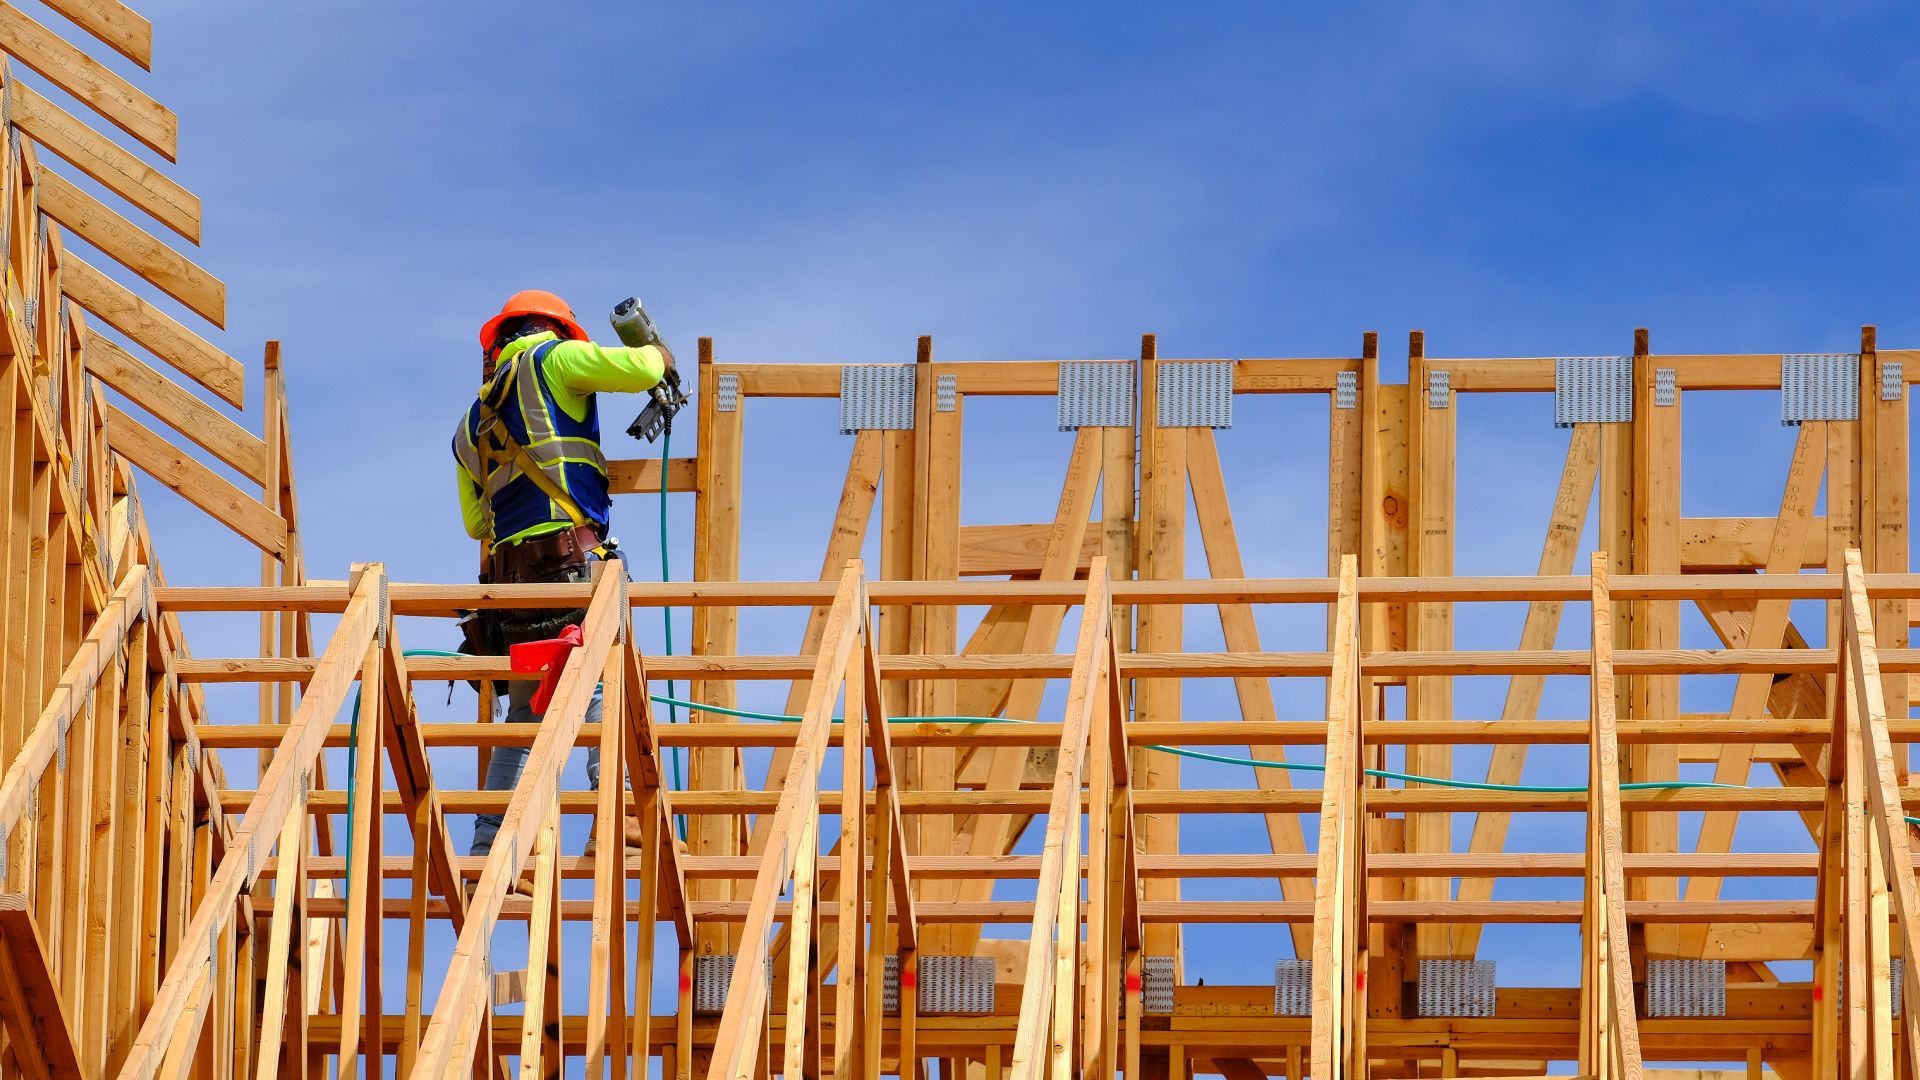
x=848 y=899
x=1339 y=930
x=800 y=952
x=273 y=384
x=607 y=978
x=939 y=478
x=1654 y=549
x=360 y=987
x=716 y=557
x=1162 y=555
x=1885 y=444
x=1431 y=420
x=539 y=1054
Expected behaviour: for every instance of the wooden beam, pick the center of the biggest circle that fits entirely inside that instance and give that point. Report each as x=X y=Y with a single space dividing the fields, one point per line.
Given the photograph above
x=1768 y=631
x=738 y=1038
x=1240 y=633
x=1340 y=907
x=41 y=1031
x=123 y=29
x=1610 y=1044
x=133 y=247
x=1541 y=628
x=246 y=452
x=278 y=796
x=1725 y=544
x=87 y=79
x=642 y=476
x=154 y=330
x=198 y=484
x=994 y=550
x=105 y=160
x=1045 y=1032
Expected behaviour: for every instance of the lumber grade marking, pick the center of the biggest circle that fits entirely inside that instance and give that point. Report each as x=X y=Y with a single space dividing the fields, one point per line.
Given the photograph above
x=155 y=330
x=113 y=97
x=105 y=160
x=133 y=247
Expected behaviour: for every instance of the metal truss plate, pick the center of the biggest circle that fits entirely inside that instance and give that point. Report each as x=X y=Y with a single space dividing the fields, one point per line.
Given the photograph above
x=1686 y=988
x=1156 y=984
x=726 y=392
x=1899 y=973
x=1195 y=393
x=955 y=986
x=1819 y=386
x=1893 y=379
x=946 y=393
x=876 y=397
x=1095 y=393
x=711 y=975
x=1663 y=387
x=1439 y=389
x=1456 y=988
x=1592 y=390
x=56 y=390
x=1293 y=988
x=1346 y=389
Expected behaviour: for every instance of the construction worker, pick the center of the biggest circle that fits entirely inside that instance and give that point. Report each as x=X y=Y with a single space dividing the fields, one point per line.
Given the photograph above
x=533 y=487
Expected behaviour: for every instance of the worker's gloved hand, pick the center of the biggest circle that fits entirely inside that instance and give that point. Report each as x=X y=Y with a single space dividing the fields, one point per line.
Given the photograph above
x=666 y=358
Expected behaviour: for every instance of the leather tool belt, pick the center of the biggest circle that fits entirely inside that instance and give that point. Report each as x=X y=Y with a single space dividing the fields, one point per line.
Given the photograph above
x=541 y=557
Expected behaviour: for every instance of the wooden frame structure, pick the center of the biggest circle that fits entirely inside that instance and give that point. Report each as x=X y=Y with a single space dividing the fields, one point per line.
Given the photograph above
x=160 y=917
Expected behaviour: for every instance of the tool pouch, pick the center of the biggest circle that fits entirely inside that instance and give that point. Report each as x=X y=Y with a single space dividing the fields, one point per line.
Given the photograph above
x=479 y=636
x=510 y=626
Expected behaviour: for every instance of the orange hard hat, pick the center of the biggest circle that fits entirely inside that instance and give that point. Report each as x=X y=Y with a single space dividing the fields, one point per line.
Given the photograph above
x=532 y=302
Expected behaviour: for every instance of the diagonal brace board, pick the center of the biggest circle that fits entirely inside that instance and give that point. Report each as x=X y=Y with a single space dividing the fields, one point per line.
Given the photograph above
x=1241 y=634
x=1542 y=626
x=1768 y=630
x=278 y=795
x=449 y=1038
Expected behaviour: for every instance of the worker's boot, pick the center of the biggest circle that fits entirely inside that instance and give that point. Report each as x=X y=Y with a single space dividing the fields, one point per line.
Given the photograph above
x=522 y=885
x=632 y=834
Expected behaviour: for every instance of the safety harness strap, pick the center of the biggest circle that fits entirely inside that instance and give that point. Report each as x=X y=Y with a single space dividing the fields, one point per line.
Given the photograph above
x=491 y=425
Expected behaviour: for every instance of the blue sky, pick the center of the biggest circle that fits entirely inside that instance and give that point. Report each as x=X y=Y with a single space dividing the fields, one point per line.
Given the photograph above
x=825 y=182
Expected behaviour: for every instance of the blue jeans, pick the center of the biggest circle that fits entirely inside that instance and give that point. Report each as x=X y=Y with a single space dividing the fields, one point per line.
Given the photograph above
x=505 y=763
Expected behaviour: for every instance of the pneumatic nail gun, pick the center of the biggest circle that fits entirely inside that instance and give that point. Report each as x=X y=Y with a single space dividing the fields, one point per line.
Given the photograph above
x=636 y=328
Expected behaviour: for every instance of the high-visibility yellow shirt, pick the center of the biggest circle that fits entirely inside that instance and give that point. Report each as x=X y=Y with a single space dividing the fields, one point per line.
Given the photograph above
x=574 y=371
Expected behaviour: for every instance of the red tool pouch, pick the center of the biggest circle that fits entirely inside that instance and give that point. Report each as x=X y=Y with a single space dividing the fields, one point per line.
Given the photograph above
x=549 y=656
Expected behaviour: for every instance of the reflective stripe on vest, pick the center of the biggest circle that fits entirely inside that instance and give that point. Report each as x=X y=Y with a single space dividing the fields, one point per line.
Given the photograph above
x=567 y=451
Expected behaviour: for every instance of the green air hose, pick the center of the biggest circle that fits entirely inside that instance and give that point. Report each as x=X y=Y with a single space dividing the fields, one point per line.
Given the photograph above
x=674 y=704
x=666 y=619
x=1248 y=762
